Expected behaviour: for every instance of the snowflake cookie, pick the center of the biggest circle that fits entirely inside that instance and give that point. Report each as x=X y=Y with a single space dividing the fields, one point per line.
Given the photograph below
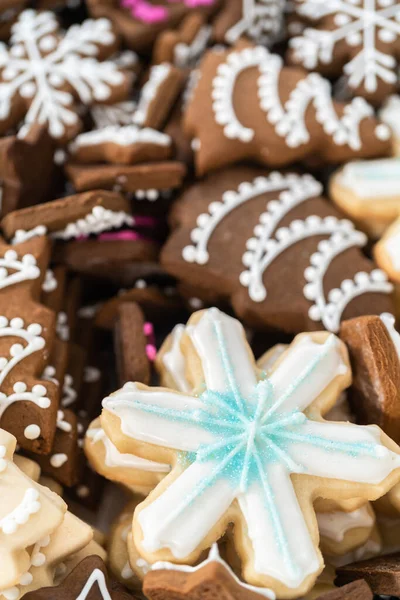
x=248 y=449
x=358 y=39
x=45 y=74
x=247 y=104
x=276 y=249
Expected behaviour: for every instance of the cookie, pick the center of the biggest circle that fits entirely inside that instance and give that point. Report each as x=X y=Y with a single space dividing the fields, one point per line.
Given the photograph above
x=8 y=13
x=127 y=469
x=381 y=574
x=140 y=22
x=368 y=192
x=215 y=346
x=52 y=100
x=125 y=145
x=88 y=580
x=26 y=169
x=360 y=45
x=29 y=513
x=374 y=348
x=387 y=251
x=183 y=46
x=246 y=105
x=276 y=249
x=212 y=578
x=133 y=353
x=260 y=21
x=357 y=590
x=389 y=114
x=118 y=549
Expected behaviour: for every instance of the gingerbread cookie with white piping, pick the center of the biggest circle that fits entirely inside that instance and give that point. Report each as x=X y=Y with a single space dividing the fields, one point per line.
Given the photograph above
x=276 y=249
x=247 y=105
x=234 y=479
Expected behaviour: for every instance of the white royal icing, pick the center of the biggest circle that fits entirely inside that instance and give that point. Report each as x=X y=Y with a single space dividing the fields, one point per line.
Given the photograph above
x=174 y=361
x=158 y=74
x=23 y=268
x=36 y=559
x=186 y=55
x=289 y=120
x=222 y=429
x=270 y=241
x=98 y=220
x=372 y=179
x=96 y=577
x=34 y=342
x=58 y=460
x=32 y=432
x=127 y=135
x=390 y=114
x=50 y=282
x=119 y=114
x=335 y=525
x=213 y=556
x=115 y=459
x=62 y=424
x=261 y=20
x=69 y=393
x=364 y=30
x=29 y=505
x=38 y=64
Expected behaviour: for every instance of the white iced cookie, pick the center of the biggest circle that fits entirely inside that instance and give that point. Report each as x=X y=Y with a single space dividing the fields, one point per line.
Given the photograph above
x=248 y=449
x=368 y=191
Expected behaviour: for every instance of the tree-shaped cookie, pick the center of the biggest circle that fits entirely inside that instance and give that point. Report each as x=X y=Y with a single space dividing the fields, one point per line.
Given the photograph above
x=249 y=450
x=28 y=513
x=359 y=40
x=247 y=105
x=28 y=404
x=45 y=74
x=276 y=248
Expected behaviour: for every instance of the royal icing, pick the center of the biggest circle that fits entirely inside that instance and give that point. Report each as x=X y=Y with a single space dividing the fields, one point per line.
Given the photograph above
x=32 y=432
x=29 y=505
x=261 y=20
x=149 y=13
x=158 y=74
x=247 y=446
x=113 y=115
x=121 y=136
x=62 y=424
x=289 y=119
x=69 y=393
x=174 y=361
x=39 y=63
x=36 y=559
x=186 y=55
x=389 y=114
x=50 y=282
x=213 y=556
x=98 y=220
x=365 y=29
x=335 y=525
x=270 y=241
x=115 y=459
x=22 y=269
x=58 y=460
x=372 y=179
x=96 y=577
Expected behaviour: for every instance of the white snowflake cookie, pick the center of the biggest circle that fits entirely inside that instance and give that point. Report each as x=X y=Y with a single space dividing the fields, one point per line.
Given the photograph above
x=248 y=449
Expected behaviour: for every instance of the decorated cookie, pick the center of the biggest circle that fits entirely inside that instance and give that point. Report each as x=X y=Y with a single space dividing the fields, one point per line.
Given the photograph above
x=387 y=251
x=87 y=581
x=248 y=105
x=389 y=114
x=230 y=474
x=127 y=469
x=280 y=252
x=29 y=513
x=381 y=573
x=141 y=21
x=368 y=192
x=374 y=347
x=357 y=41
x=70 y=70
x=183 y=46
x=26 y=169
x=133 y=348
x=28 y=401
x=260 y=21
x=9 y=11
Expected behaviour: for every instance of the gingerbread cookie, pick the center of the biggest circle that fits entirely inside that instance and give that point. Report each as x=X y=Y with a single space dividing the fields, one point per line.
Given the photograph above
x=368 y=192
x=374 y=348
x=26 y=169
x=72 y=72
x=276 y=249
x=359 y=43
x=217 y=353
x=141 y=21
x=381 y=573
x=133 y=352
x=184 y=45
x=260 y=21
x=387 y=251
x=246 y=105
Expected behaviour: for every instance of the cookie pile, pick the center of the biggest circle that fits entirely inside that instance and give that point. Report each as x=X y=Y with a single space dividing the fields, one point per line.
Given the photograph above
x=199 y=299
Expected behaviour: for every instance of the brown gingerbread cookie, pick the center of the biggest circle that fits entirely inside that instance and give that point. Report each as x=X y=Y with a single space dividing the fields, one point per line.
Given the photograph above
x=132 y=349
x=358 y=42
x=184 y=45
x=374 y=348
x=28 y=404
x=277 y=249
x=247 y=104
x=47 y=74
x=9 y=11
x=88 y=581
x=26 y=169
x=381 y=573
x=140 y=22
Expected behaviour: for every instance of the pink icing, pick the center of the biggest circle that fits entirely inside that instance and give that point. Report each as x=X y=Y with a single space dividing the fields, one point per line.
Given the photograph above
x=155 y=13
x=142 y=221
x=151 y=352
x=151 y=349
x=122 y=236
